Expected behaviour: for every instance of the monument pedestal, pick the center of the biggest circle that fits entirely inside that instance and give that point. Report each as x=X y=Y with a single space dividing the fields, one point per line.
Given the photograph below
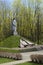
x=15 y=33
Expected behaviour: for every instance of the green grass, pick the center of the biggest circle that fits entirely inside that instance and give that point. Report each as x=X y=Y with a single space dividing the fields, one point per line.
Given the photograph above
x=9 y=50
x=10 y=42
x=27 y=63
x=4 y=60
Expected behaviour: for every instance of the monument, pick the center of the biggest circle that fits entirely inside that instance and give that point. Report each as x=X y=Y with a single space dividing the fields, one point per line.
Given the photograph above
x=14 y=26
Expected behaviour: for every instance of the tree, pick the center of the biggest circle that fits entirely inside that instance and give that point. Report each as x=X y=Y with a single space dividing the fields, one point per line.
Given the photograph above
x=38 y=22
x=5 y=20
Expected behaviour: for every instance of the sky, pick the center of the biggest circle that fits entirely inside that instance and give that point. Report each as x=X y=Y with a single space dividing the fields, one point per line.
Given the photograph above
x=8 y=2
x=12 y=0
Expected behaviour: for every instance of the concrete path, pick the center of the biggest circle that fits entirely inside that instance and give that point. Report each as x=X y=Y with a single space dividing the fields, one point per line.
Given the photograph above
x=25 y=56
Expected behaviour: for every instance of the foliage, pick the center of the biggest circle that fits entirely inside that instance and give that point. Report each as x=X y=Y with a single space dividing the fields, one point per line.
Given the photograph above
x=12 y=41
x=29 y=20
x=5 y=20
x=29 y=17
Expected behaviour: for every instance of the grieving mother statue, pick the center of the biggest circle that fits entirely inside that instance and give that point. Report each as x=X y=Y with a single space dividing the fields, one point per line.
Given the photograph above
x=14 y=26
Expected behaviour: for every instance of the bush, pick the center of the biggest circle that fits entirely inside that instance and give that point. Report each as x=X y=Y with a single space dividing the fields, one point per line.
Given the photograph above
x=37 y=58
x=16 y=56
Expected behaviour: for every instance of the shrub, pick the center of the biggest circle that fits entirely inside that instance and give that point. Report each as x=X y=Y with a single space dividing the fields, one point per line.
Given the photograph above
x=16 y=56
x=37 y=58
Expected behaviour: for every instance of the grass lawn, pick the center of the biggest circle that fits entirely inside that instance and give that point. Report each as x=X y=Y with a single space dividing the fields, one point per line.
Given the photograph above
x=9 y=50
x=28 y=63
x=4 y=60
x=10 y=42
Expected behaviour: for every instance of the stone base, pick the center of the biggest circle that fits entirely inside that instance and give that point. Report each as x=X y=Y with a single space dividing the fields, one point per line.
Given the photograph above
x=15 y=33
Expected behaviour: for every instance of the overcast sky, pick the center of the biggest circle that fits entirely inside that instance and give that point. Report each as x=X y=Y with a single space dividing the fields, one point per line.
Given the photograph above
x=8 y=2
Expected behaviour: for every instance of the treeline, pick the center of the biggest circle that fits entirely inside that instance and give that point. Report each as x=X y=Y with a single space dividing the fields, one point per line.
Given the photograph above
x=5 y=20
x=29 y=17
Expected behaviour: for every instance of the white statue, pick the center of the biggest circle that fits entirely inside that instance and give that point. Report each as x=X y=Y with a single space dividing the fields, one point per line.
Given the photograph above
x=14 y=27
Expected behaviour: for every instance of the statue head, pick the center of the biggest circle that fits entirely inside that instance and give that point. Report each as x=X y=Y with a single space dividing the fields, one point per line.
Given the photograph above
x=14 y=18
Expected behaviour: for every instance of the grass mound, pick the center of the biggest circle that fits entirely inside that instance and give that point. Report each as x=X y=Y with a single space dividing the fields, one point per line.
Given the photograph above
x=10 y=42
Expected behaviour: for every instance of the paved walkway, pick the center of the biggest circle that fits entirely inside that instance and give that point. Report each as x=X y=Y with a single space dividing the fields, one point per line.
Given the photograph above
x=25 y=56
